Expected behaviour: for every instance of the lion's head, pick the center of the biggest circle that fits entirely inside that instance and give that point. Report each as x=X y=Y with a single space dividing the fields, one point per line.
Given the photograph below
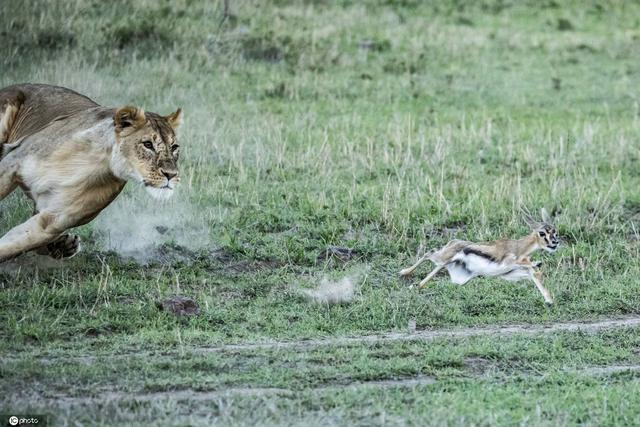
x=146 y=149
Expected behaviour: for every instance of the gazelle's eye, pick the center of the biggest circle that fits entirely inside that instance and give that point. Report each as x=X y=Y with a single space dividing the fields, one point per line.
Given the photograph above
x=174 y=148
x=541 y=233
x=148 y=145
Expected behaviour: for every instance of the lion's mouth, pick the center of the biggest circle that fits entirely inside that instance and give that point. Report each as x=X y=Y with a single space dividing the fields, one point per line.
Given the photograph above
x=160 y=193
x=167 y=185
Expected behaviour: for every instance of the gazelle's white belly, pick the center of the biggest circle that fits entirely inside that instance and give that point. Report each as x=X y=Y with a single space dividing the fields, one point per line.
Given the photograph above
x=465 y=267
x=481 y=266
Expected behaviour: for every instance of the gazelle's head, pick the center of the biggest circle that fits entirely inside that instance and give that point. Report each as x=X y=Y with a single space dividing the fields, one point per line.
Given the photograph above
x=544 y=232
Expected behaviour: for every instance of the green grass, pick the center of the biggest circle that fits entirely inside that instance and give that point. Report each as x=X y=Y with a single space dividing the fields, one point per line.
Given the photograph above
x=387 y=127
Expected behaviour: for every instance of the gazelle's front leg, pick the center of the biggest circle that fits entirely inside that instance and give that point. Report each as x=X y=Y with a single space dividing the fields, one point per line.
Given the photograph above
x=37 y=231
x=536 y=276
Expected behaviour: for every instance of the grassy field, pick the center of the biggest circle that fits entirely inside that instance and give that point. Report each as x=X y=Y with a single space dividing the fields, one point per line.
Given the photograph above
x=387 y=127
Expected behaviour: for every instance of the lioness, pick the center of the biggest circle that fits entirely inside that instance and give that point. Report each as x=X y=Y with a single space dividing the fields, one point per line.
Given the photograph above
x=72 y=157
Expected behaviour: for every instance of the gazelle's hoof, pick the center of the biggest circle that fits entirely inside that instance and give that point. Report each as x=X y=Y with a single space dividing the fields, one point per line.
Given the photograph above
x=548 y=303
x=405 y=272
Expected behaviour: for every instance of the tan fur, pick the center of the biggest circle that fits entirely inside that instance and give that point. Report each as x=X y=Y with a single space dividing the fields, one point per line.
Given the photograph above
x=509 y=259
x=72 y=157
x=7 y=118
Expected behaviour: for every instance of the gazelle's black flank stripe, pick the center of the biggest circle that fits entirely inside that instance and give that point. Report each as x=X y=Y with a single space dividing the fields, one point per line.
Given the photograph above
x=471 y=251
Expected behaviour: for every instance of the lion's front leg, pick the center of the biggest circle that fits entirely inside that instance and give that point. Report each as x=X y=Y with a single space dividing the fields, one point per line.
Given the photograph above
x=37 y=231
x=65 y=246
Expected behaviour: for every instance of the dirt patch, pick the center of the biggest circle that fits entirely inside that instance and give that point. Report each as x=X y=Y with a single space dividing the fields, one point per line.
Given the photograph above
x=65 y=401
x=564 y=25
x=171 y=254
x=337 y=253
x=213 y=260
x=425 y=335
x=477 y=365
x=59 y=400
x=611 y=369
x=450 y=229
x=180 y=306
x=250 y=266
x=221 y=259
x=29 y=263
x=94 y=332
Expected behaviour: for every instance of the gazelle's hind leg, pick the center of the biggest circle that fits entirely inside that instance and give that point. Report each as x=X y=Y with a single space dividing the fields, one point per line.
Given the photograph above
x=409 y=270
x=424 y=281
x=536 y=276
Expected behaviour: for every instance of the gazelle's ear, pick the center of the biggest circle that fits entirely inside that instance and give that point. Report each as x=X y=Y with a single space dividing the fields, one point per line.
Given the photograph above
x=546 y=218
x=175 y=119
x=128 y=116
x=528 y=218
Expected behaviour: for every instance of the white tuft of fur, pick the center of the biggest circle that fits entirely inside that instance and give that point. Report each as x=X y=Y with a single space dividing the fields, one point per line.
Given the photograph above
x=164 y=193
x=459 y=275
x=331 y=292
x=120 y=167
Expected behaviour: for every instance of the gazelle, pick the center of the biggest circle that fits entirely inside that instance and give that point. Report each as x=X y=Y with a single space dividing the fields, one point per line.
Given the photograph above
x=507 y=259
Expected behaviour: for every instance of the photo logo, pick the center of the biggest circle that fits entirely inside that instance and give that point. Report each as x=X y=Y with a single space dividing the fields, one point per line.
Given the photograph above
x=13 y=421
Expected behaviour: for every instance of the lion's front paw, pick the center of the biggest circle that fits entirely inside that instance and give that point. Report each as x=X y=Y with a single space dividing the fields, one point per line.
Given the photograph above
x=64 y=246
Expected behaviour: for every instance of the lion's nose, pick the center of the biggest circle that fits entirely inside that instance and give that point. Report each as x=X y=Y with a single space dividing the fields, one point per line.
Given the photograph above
x=169 y=175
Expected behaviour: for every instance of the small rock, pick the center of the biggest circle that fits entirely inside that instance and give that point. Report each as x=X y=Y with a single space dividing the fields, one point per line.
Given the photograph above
x=180 y=306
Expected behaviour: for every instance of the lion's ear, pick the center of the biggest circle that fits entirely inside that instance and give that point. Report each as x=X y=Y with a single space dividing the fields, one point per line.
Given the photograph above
x=175 y=119
x=129 y=116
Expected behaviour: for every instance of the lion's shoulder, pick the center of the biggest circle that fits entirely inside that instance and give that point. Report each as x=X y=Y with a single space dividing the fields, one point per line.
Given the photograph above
x=34 y=106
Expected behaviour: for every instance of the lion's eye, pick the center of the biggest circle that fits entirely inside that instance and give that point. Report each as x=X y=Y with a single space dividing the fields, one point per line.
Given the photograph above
x=148 y=144
x=174 y=148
